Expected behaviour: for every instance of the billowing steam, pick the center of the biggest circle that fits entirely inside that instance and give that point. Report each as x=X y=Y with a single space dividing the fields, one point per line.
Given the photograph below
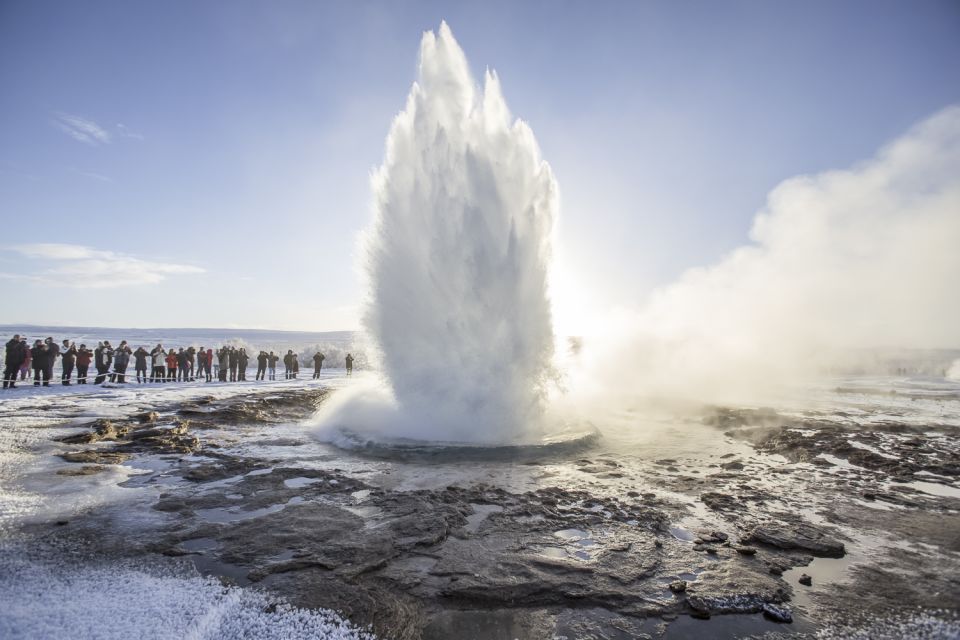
x=840 y=262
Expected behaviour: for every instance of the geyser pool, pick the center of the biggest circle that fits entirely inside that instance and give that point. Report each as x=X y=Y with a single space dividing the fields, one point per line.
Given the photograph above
x=457 y=260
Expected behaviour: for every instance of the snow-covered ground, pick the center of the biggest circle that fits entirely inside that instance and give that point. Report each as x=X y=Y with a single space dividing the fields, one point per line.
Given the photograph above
x=48 y=591
x=58 y=586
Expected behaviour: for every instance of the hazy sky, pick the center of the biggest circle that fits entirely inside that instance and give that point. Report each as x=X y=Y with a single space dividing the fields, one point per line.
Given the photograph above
x=207 y=163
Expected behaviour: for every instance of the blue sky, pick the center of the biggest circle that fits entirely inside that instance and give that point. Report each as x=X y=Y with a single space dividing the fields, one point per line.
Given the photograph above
x=208 y=162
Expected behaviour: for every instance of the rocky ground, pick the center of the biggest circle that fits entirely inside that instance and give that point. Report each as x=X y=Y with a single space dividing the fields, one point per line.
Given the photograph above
x=790 y=525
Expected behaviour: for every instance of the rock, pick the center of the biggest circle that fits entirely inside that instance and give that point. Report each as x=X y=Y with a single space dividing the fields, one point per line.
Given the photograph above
x=678 y=586
x=95 y=457
x=805 y=537
x=102 y=430
x=712 y=537
x=777 y=613
x=745 y=550
x=722 y=501
x=85 y=470
x=736 y=465
x=806 y=580
x=147 y=416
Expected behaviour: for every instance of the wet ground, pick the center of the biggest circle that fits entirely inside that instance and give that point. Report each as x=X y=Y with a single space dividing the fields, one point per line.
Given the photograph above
x=835 y=515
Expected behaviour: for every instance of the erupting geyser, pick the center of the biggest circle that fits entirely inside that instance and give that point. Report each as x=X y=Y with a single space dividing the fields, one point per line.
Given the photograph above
x=457 y=260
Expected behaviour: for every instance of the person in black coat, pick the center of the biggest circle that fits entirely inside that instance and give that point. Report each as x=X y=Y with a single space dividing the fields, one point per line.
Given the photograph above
x=69 y=354
x=15 y=356
x=121 y=360
x=262 y=365
x=242 y=360
x=183 y=365
x=41 y=363
x=140 y=357
x=232 y=360
x=317 y=364
x=103 y=358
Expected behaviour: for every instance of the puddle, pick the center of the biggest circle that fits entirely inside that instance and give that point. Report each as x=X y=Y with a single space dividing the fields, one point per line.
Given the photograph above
x=364 y=512
x=261 y=472
x=934 y=489
x=571 y=534
x=209 y=566
x=300 y=482
x=878 y=504
x=866 y=447
x=360 y=495
x=682 y=534
x=199 y=545
x=228 y=515
x=480 y=513
x=554 y=552
x=839 y=462
x=824 y=571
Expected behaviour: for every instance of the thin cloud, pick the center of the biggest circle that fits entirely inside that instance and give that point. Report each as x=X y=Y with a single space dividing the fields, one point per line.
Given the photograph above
x=92 y=175
x=127 y=132
x=82 y=129
x=82 y=267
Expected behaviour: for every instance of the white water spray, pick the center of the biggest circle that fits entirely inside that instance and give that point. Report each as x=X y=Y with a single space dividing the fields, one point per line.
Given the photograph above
x=457 y=261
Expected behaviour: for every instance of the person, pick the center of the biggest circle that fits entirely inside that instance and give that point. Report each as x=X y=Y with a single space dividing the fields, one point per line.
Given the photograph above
x=27 y=363
x=191 y=357
x=242 y=360
x=261 y=365
x=172 y=360
x=41 y=356
x=223 y=358
x=296 y=365
x=317 y=364
x=288 y=365
x=232 y=360
x=53 y=352
x=272 y=361
x=202 y=365
x=140 y=363
x=84 y=356
x=209 y=361
x=14 y=358
x=104 y=357
x=121 y=360
x=69 y=354
x=157 y=359
x=349 y=361
x=183 y=365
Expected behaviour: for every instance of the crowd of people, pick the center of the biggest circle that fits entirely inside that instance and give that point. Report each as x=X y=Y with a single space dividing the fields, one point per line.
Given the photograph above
x=176 y=364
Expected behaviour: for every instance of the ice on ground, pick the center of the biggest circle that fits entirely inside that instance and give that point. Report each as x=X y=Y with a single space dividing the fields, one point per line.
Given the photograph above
x=46 y=600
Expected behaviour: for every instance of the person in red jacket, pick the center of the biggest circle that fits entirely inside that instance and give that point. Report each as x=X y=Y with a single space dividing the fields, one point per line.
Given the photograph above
x=84 y=358
x=171 y=366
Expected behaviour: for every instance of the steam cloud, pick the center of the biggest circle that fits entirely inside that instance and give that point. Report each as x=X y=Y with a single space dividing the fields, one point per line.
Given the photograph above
x=841 y=261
